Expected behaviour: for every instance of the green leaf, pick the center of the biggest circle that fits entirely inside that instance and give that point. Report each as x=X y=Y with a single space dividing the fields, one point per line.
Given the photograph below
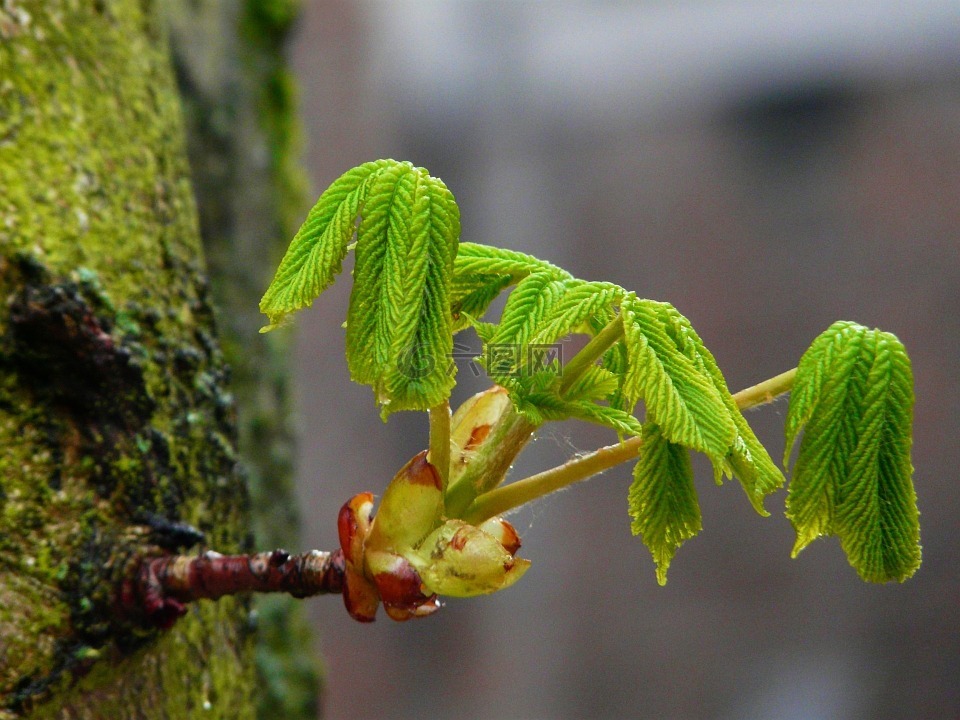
x=528 y=307
x=472 y=297
x=476 y=260
x=752 y=465
x=540 y=311
x=680 y=398
x=852 y=476
x=543 y=405
x=579 y=304
x=399 y=325
x=315 y=256
x=747 y=459
x=813 y=371
x=596 y=383
x=662 y=499
x=482 y=272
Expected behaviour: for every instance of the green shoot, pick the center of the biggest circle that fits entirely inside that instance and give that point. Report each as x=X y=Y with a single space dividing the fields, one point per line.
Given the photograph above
x=644 y=373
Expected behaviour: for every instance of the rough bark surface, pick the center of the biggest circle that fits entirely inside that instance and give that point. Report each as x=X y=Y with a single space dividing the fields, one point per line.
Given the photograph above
x=242 y=142
x=115 y=420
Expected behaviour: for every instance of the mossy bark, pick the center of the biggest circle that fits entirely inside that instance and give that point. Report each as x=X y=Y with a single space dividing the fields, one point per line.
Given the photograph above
x=242 y=143
x=115 y=419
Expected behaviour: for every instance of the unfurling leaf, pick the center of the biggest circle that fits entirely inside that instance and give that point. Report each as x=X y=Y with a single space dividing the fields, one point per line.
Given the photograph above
x=663 y=501
x=747 y=458
x=315 y=256
x=680 y=397
x=853 y=398
x=399 y=323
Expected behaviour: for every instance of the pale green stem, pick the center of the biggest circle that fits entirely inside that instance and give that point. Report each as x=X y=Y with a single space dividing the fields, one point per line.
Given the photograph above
x=498 y=501
x=493 y=458
x=505 y=498
x=439 y=454
x=590 y=353
x=492 y=461
x=767 y=391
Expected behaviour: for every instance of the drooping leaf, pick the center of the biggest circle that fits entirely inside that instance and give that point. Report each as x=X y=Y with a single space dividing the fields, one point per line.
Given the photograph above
x=596 y=383
x=539 y=312
x=315 y=256
x=852 y=477
x=877 y=514
x=680 y=398
x=579 y=304
x=530 y=304
x=542 y=406
x=830 y=434
x=615 y=361
x=399 y=325
x=472 y=297
x=662 y=498
x=747 y=459
x=475 y=260
x=813 y=371
x=482 y=272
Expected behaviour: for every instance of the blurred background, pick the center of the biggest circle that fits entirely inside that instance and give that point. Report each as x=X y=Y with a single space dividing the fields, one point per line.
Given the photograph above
x=766 y=167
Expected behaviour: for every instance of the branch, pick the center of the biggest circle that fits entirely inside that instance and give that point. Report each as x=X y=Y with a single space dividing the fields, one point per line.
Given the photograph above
x=163 y=585
x=507 y=497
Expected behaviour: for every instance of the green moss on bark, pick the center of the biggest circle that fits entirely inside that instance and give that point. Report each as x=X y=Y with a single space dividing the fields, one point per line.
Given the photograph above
x=243 y=142
x=127 y=416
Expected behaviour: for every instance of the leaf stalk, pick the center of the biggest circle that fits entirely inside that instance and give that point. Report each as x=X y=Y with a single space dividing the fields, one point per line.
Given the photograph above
x=509 y=497
x=766 y=391
x=591 y=352
x=440 y=441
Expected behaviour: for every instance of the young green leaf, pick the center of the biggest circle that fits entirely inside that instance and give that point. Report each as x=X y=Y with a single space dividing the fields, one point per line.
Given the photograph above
x=476 y=260
x=663 y=501
x=579 y=304
x=399 y=325
x=540 y=311
x=471 y=296
x=545 y=405
x=528 y=306
x=814 y=370
x=315 y=256
x=747 y=460
x=596 y=383
x=680 y=398
x=852 y=476
x=481 y=273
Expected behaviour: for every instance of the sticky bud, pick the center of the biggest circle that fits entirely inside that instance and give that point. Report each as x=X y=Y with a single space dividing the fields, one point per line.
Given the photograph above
x=400 y=586
x=471 y=424
x=353 y=524
x=411 y=507
x=462 y=560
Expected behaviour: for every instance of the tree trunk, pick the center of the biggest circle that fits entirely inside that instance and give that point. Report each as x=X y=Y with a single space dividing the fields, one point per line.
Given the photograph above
x=242 y=143
x=116 y=423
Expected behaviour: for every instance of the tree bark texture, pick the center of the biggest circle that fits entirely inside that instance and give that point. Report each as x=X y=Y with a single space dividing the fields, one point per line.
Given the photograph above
x=242 y=144
x=116 y=422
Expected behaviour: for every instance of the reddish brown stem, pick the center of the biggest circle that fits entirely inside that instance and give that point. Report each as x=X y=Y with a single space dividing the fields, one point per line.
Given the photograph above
x=163 y=585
